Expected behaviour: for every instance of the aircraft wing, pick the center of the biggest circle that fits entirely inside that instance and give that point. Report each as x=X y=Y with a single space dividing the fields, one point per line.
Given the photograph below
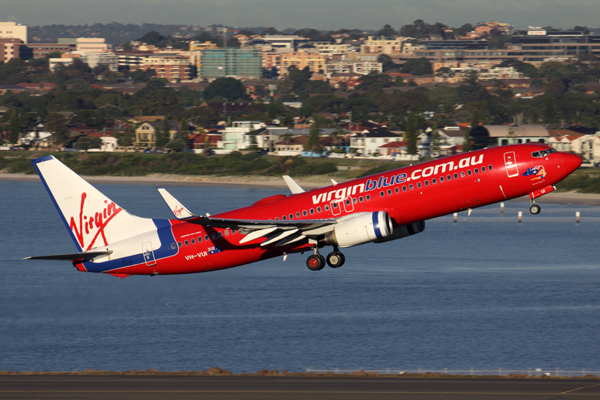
x=281 y=231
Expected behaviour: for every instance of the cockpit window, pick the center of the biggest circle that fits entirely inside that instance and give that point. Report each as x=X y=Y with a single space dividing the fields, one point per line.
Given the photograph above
x=542 y=153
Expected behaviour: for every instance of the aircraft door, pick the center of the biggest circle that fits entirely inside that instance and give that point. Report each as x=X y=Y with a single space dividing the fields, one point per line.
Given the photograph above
x=510 y=161
x=148 y=254
x=349 y=204
x=336 y=207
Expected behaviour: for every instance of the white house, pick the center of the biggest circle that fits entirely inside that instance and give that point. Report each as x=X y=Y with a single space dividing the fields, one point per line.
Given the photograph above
x=368 y=142
x=234 y=137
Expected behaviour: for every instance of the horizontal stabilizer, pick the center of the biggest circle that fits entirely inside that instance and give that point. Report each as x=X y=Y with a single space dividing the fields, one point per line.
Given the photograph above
x=178 y=210
x=72 y=256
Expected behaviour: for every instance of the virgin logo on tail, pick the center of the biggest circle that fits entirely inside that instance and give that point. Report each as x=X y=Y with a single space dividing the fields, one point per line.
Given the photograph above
x=92 y=224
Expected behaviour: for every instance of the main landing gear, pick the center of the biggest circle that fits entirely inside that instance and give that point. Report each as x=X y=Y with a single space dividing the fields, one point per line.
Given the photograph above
x=316 y=261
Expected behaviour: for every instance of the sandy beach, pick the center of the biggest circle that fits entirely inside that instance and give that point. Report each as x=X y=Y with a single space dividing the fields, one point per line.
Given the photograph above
x=269 y=182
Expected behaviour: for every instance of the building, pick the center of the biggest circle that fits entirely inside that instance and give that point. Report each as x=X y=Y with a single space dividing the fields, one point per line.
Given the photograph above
x=145 y=134
x=40 y=50
x=382 y=45
x=284 y=43
x=238 y=63
x=314 y=61
x=368 y=142
x=235 y=136
x=171 y=67
x=12 y=30
x=9 y=49
x=87 y=45
x=350 y=67
x=499 y=135
x=94 y=59
x=132 y=59
x=196 y=49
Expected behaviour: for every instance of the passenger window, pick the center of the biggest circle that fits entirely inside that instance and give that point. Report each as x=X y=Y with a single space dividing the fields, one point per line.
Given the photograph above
x=404 y=188
x=360 y=199
x=233 y=231
x=411 y=187
x=476 y=170
x=199 y=239
x=335 y=205
x=455 y=175
x=291 y=216
x=347 y=202
x=326 y=208
x=304 y=213
x=368 y=197
x=482 y=169
x=462 y=173
x=312 y=211
x=206 y=237
x=227 y=232
x=441 y=179
x=448 y=178
x=277 y=219
x=173 y=245
x=418 y=184
x=193 y=241
x=318 y=209
x=397 y=190
x=490 y=167
x=179 y=244
x=381 y=194
x=297 y=215
x=186 y=242
x=427 y=182
x=284 y=218
x=354 y=200
x=212 y=236
x=434 y=181
x=469 y=172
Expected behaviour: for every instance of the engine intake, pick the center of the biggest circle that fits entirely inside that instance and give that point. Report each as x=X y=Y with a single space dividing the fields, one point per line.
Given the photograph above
x=363 y=228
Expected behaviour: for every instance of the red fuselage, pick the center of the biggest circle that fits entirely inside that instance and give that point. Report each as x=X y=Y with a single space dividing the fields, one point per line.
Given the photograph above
x=408 y=194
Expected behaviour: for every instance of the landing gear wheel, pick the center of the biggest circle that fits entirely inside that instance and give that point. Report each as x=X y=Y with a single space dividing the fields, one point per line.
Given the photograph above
x=315 y=262
x=535 y=209
x=335 y=259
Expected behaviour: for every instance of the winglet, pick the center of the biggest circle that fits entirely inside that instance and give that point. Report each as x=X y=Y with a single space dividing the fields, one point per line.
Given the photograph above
x=178 y=210
x=294 y=187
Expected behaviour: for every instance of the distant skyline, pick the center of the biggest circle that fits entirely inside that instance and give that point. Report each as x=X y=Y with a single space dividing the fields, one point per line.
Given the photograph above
x=282 y=14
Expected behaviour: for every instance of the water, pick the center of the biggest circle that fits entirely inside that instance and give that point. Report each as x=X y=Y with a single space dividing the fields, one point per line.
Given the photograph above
x=484 y=293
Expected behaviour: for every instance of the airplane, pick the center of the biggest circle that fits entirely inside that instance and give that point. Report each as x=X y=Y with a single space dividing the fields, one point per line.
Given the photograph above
x=374 y=209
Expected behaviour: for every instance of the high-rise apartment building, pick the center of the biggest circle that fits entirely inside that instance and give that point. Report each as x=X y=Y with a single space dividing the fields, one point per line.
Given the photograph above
x=12 y=30
x=231 y=62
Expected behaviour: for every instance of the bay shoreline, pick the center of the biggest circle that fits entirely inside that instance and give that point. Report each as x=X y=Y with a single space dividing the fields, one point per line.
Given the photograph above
x=270 y=182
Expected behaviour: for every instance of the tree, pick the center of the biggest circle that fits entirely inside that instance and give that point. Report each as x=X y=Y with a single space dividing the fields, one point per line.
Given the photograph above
x=271 y=111
x=253 y=141
x=386 y=62
x=176 y=145
x=314 y=136
x=411 y=134
x=435 y=140
x=270 y=31
x=166 y=128
x=14 y=128
x=467 y=146
x=152 y=38
x=387 y=31
x=57 y=125
x=229 y=88
x=161 y=138
x=549 y=109
x=184 y=129
x=88 y=142
x=417 y=66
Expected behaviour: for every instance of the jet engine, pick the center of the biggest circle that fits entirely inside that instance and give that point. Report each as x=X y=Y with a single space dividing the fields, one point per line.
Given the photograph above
x=362 y=228
x=404 y=231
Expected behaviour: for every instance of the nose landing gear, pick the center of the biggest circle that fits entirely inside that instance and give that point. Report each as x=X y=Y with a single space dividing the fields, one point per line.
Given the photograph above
x=535 y=209
x=316 y=262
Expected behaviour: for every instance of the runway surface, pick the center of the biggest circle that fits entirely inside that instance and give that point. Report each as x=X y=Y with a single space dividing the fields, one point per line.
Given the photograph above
x=292 y=388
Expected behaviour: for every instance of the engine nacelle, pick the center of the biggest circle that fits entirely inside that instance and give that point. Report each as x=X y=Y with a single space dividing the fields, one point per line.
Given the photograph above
x=404 y=231
x=363 y=228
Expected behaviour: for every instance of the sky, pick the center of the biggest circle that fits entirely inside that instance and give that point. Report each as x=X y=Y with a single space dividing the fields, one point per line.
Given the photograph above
x=317 y=14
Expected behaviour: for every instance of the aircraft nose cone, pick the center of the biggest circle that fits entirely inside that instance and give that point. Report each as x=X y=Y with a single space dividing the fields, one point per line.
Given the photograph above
x=571 y=162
